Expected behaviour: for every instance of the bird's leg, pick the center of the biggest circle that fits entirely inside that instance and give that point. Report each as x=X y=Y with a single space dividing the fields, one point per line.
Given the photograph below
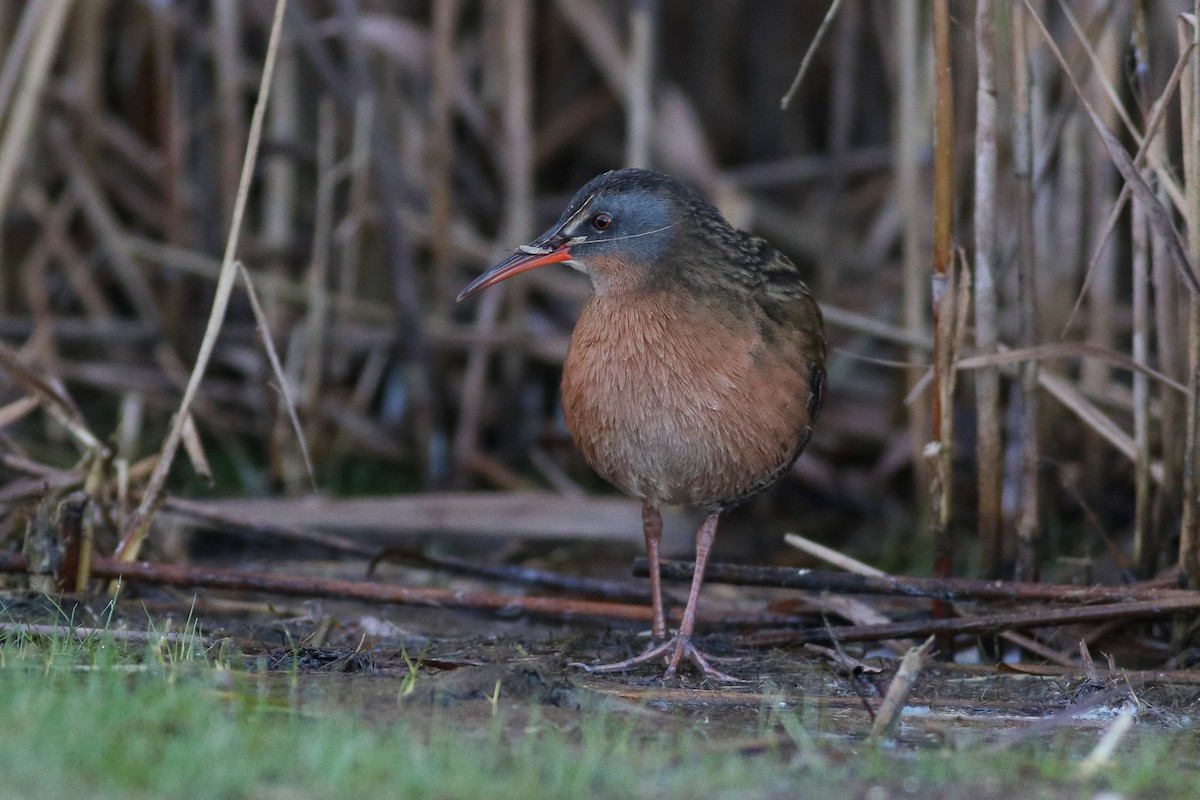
x=679 y=646
x=683 y=640
x=652 y=527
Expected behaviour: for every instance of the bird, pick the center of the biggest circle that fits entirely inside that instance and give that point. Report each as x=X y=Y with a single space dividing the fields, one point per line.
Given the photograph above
x=695 y=371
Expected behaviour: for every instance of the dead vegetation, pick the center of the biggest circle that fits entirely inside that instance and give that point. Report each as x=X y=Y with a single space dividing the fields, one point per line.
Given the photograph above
x=266 y=281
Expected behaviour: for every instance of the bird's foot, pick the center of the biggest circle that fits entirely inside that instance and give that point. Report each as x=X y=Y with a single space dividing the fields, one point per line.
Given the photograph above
x=673 y=651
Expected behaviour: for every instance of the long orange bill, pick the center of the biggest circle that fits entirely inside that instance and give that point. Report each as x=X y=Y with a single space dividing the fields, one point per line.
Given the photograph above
x=516 y=263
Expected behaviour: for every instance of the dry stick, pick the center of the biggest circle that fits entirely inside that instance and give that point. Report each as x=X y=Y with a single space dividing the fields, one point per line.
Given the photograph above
x=899 y=689
x=136 y=526
x=24 y=111
x=311 y=587
x=978 y=625
x=989 y=459
x=808 y=55
x=811 y=580
x=1027 y=516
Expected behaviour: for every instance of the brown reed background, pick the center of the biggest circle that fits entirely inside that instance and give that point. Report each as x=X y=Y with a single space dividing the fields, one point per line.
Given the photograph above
x=405 y=145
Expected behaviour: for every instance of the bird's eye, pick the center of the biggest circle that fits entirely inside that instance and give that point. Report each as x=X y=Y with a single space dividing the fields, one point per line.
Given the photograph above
x=602 y=221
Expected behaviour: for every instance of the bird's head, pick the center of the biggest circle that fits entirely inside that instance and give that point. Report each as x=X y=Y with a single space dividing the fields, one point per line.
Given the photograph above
x=618 y=230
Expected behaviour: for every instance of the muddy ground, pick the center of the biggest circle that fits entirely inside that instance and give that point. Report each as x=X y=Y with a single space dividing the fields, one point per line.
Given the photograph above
x=463 y=667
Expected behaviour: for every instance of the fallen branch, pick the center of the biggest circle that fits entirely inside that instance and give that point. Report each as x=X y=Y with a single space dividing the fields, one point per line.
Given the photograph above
x=983 y=624
x=941 y=588
x=373 y=592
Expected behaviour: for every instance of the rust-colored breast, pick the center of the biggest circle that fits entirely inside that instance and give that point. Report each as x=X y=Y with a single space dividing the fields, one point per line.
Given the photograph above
x=675 y=402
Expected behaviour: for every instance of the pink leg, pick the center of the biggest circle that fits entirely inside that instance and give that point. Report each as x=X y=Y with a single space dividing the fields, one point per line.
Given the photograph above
x=652 y=527
x=679 y=646
x=683 y=642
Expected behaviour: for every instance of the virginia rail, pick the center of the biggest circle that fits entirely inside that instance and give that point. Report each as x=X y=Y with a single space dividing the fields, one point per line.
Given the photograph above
x=696 y=368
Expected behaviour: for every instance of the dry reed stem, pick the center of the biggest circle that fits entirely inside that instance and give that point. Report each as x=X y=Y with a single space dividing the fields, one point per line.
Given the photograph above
x=989 y=458
x=136 y=526
x=908 y=125
x=1027 y=522
x=24 y=113
x=1189 y=533
x=639 y=110
x=1145 y=543
x=944 y=292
